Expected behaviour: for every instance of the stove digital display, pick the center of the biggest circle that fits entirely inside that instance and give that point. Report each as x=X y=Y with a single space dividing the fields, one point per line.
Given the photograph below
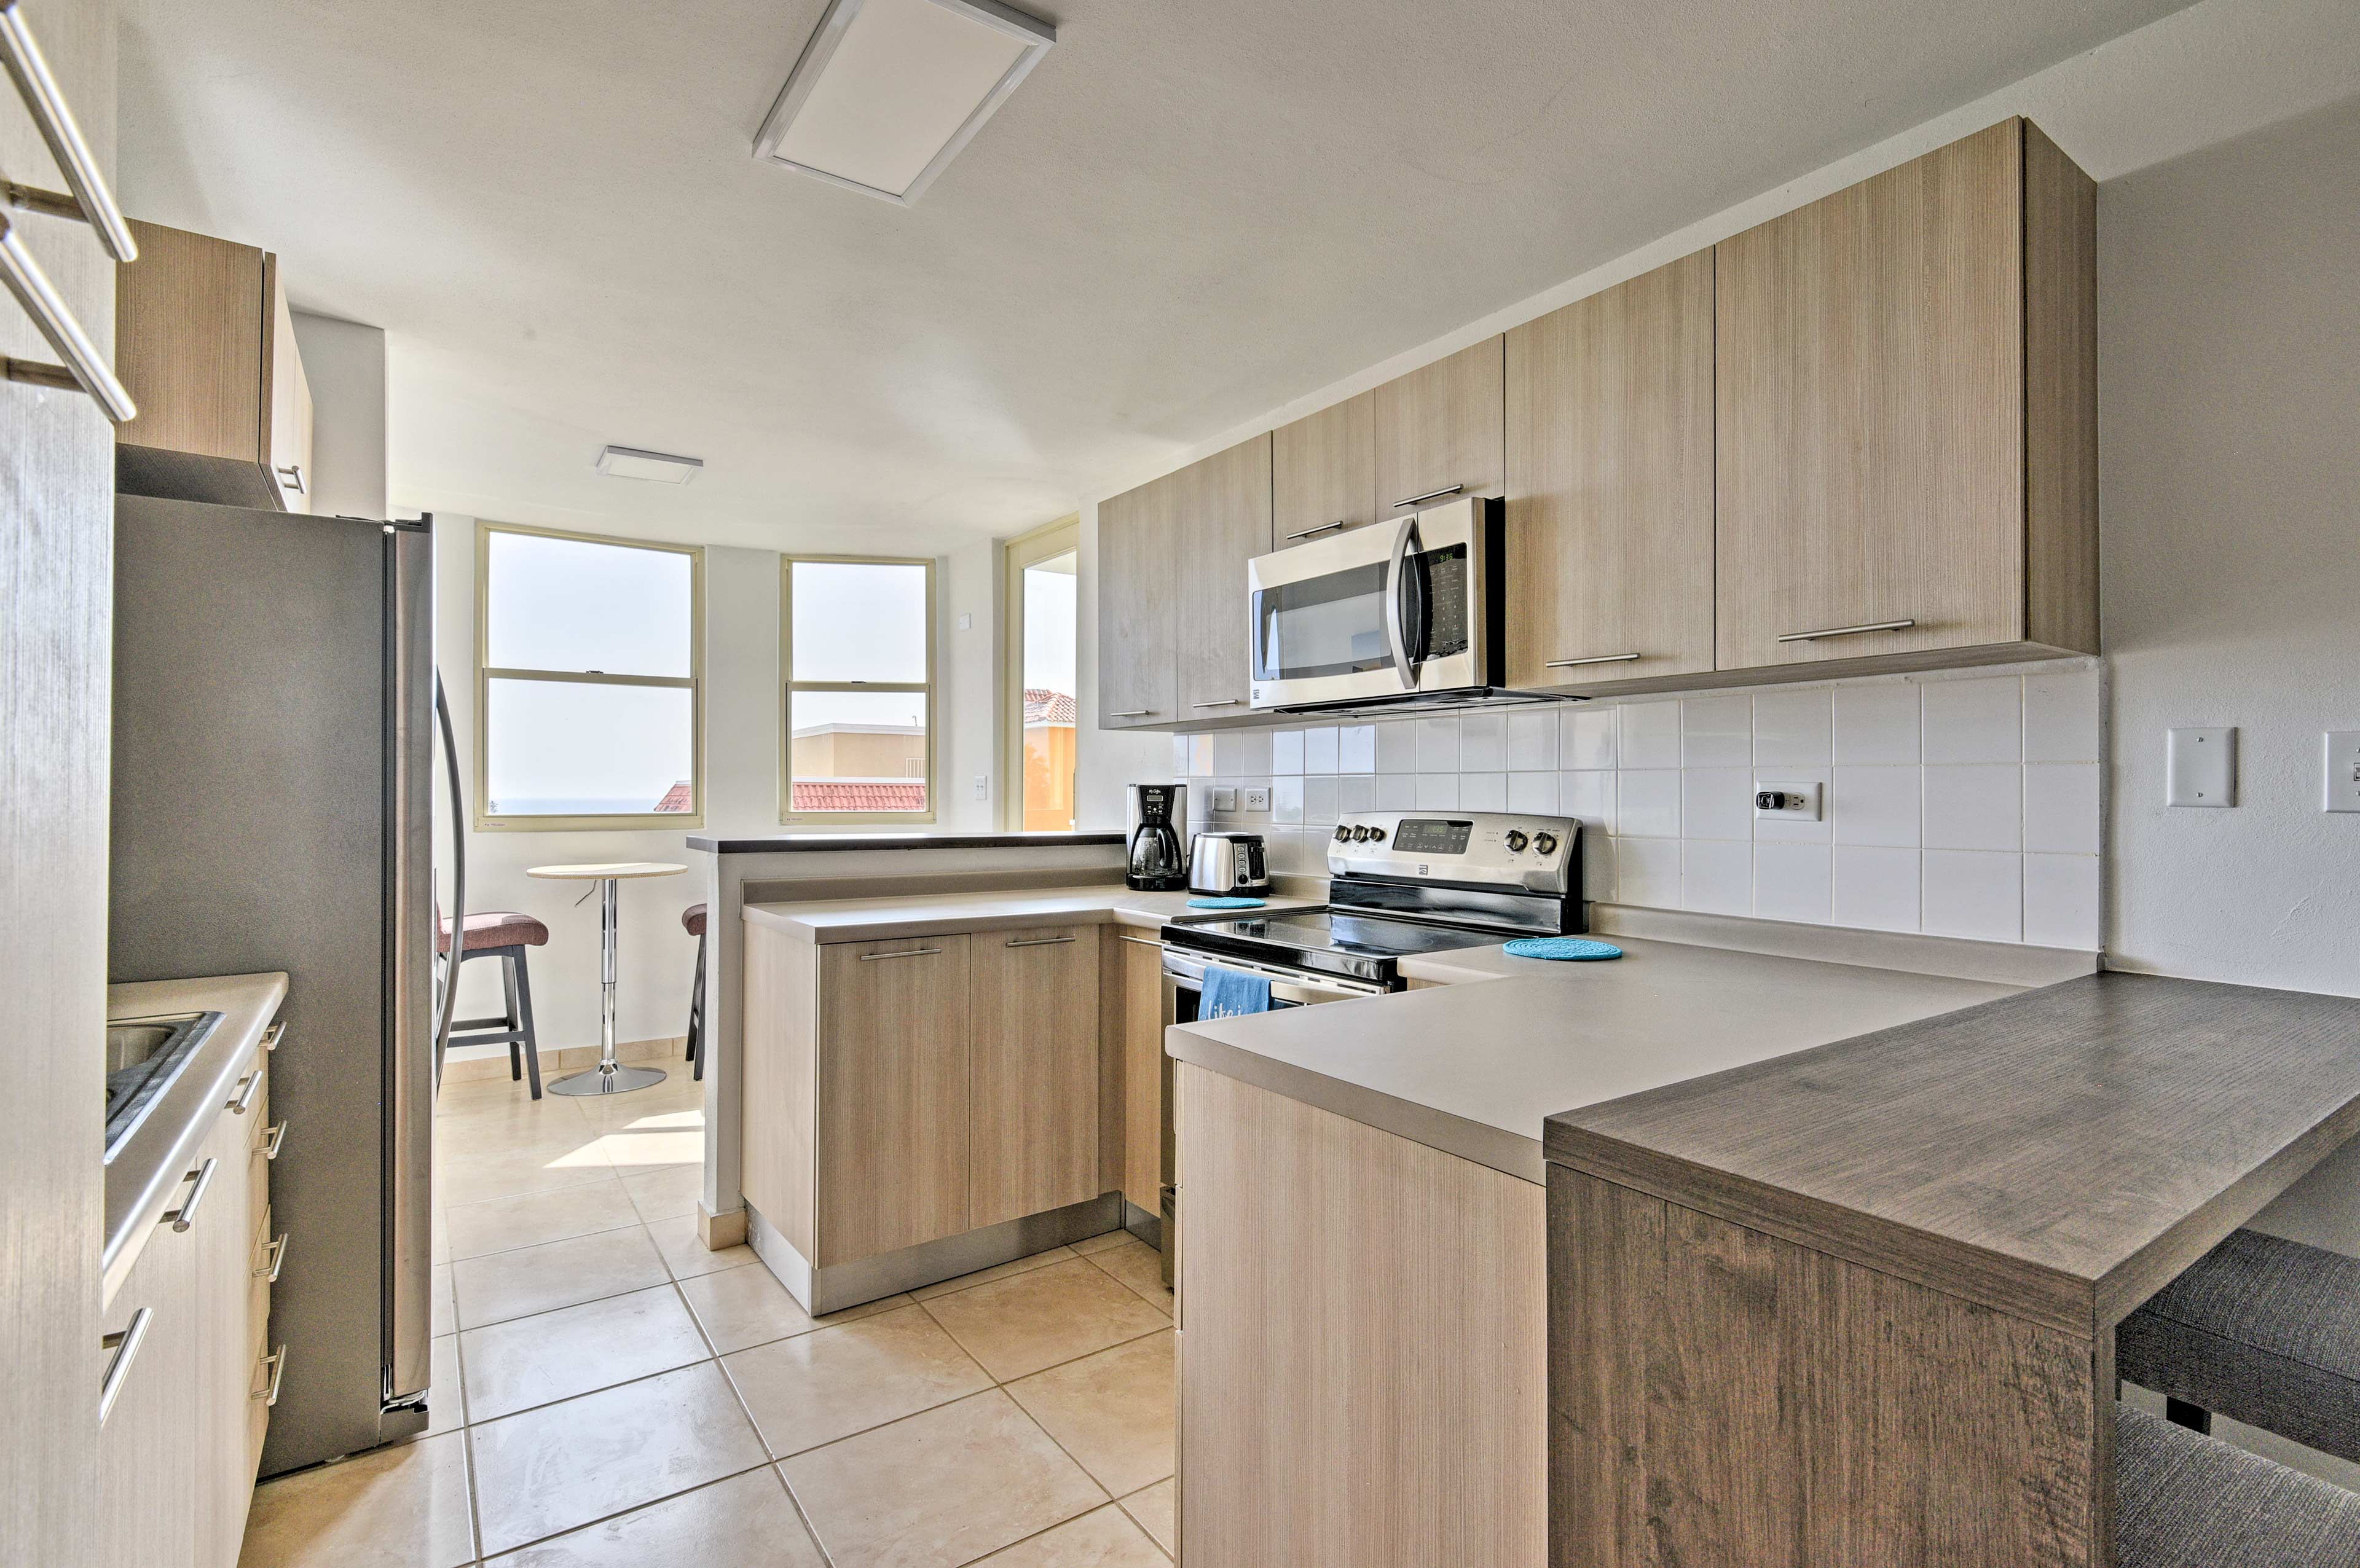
x=1430 y=836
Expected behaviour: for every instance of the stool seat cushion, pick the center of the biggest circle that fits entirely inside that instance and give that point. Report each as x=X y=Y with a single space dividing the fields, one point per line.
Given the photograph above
x=500 y=928
x=2262 y=1330
x=2185 y=1500
x=693 y=918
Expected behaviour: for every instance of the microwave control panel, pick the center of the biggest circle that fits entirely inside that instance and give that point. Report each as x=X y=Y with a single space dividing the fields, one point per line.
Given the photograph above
x=1447 y=584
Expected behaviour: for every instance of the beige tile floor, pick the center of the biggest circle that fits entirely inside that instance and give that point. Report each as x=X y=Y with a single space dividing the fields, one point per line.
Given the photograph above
x=609 y=1394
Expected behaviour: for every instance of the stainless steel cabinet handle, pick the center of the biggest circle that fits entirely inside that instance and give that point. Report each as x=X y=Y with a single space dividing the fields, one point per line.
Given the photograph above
x=1143 y=941
x=276 y=1362
x=50 y=111
x=125 y=1346
x=1131 y=714
x=1430 y=495
x=83 y=364
x=243 y=1101
x=1036 y=942
x=277 y=1253
x=1594 y=658
x=1224 y=703
x=185 y=1215
x=273 y=1136
x=293 y=473
x=1848 y=631
x=270 y=1036
x=1322 y=528
x=905 y=953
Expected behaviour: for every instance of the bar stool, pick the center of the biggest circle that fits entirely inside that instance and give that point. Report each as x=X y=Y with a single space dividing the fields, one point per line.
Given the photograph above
x=2185 y=1500
x=692 y=920
x=2263 y=1330
x=504 y=935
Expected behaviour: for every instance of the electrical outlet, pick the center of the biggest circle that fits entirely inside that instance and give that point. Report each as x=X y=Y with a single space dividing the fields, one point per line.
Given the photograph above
x=983 y=786
x=2343 y=770
x=1257 y=800
x=1788 y=802
x=2200 y=768
x=966 y=623
x=1225 y=799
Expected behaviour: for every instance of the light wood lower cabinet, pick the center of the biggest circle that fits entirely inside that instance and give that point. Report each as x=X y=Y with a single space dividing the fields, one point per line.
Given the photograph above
x=178 y=1453
x=1140 y=1023
x=1365 y=1376
x=1033 y=1108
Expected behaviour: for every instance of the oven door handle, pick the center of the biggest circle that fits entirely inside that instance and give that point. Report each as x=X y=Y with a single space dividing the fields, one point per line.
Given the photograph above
x=1398 y=627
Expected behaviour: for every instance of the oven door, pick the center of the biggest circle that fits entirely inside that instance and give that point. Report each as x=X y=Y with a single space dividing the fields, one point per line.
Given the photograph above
x=1184 y=992
x=1395 y=610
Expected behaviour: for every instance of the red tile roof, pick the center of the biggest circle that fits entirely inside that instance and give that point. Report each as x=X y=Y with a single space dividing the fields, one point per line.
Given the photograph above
x=859 y=795
x=1042 y=706
x=680 y=798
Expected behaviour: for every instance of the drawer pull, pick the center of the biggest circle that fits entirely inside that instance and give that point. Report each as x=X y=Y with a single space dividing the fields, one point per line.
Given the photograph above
x=94 y=204
x=1131 y=714
x=293 y=473
x=125 y=1346
x=1430 y=495
x=1594 y=658
x=1143 y=941
x=277 y=1253
x=905 y=953
x=276 y=1362
x=270 y=1036
x=185 y=1215
x=1322 y=528
x=243 y=1101
x=273 y=1136
x=1224 y=703
x=1848 y=631
x=1036 y=942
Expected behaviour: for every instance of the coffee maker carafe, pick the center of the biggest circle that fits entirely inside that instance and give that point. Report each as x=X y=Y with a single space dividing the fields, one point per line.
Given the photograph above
x=1154 y=859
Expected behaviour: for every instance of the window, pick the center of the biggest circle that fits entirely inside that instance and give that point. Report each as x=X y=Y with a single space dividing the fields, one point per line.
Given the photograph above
x=857 y=648
x=1043 y=612
x=589 y=682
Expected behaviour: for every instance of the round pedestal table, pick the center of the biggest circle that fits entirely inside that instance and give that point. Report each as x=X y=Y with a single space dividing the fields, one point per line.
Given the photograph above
x=608 y=1077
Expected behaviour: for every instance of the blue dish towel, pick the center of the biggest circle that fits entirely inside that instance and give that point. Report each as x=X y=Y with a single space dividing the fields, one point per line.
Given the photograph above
x=1230 y=995
x=1562 y=949
x=1225 y=903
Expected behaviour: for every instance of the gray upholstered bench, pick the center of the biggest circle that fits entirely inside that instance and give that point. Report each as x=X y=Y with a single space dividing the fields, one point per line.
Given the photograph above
x=2262 y=1330
x=2185 y=1500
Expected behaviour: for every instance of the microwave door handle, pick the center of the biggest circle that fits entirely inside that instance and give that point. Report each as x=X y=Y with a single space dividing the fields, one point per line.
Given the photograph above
x=1396 y=627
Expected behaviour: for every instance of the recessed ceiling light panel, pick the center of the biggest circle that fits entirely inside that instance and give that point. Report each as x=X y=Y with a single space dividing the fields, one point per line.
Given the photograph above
x=662 y=468
x=888 y=90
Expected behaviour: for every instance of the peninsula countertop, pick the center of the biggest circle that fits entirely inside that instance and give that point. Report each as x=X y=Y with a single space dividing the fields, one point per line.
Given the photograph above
x=811 y=842
x=1474 y=1069
x=873 y=920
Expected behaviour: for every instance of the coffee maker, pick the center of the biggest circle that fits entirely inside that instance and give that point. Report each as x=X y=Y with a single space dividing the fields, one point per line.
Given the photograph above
x=1153 y=822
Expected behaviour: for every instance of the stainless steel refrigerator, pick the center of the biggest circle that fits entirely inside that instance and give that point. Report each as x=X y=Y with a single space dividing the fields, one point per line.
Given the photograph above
x=274 y=699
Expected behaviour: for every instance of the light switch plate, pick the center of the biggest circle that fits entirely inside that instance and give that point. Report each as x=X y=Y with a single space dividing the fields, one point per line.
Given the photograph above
x=2343 y=770
x=1257 y=800
x=2200 y=768
x=983 y=786
x=1798 y=802
x=1225 y=799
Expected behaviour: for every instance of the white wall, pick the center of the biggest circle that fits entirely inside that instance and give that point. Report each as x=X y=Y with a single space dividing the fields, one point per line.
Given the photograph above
x=343 y=363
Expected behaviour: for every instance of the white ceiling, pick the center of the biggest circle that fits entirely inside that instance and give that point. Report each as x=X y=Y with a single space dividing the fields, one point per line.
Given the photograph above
x=1190 y=214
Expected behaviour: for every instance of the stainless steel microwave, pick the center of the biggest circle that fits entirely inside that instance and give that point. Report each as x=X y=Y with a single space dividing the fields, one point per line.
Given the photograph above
x=1405 y=610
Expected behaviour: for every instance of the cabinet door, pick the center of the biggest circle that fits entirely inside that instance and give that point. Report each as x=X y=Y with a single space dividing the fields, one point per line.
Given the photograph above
x=149 y=1450
x=1871 y=401
x=223 y=1231
x=188 y=319
x=1032 y=1138
x=1143 y=1073
x=894 y=1027
x=1610 y=483
x=1324 y=473
x=1138 y=569
x=287 y=400
x=1222 y=521
x=1443 y=426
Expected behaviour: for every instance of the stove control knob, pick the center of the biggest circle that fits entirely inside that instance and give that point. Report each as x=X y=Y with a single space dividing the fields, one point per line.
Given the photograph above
x=1376 y=835
x=1359 y=835
x=1343 y=833
x=1545 y=843
x=1516 y=841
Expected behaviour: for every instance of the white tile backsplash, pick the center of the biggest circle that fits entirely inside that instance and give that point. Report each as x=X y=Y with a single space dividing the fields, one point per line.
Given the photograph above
x=1962 y=805
x=1200 y=757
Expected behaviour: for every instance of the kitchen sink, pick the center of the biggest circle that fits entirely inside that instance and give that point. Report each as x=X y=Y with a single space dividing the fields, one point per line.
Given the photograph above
x=143 y=1056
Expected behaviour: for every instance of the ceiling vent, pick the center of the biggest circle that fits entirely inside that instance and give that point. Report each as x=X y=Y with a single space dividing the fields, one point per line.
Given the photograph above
x=888 y=90
x=662 y=468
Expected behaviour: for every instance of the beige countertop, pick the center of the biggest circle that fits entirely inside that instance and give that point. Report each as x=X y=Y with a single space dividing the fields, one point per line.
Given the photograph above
x=1474 y=1069
x=871 y=920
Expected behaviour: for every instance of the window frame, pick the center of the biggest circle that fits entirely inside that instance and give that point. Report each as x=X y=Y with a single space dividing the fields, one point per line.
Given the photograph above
x=1026 y=550
x=628 y=822
x=788 y=686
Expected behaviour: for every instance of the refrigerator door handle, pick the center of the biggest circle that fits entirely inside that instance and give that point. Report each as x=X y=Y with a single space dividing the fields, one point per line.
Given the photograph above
x=447 y=1004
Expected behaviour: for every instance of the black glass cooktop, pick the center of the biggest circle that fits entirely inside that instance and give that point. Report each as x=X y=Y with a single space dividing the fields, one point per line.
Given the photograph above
x=1332 y=941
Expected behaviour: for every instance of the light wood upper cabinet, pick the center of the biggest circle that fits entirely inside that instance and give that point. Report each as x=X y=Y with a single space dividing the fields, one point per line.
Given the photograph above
x=1908 y=414
x=1143 y=1073
x=1443 y=425
x=1032 y=1111
x=1324 y=473
x=1610 y=475
x=1136 y=562
x=1220 y=522
x=206 y=347
x=893 y=1084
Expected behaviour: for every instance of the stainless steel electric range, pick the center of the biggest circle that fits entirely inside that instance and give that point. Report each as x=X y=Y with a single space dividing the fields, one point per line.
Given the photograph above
x=1400 y=884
